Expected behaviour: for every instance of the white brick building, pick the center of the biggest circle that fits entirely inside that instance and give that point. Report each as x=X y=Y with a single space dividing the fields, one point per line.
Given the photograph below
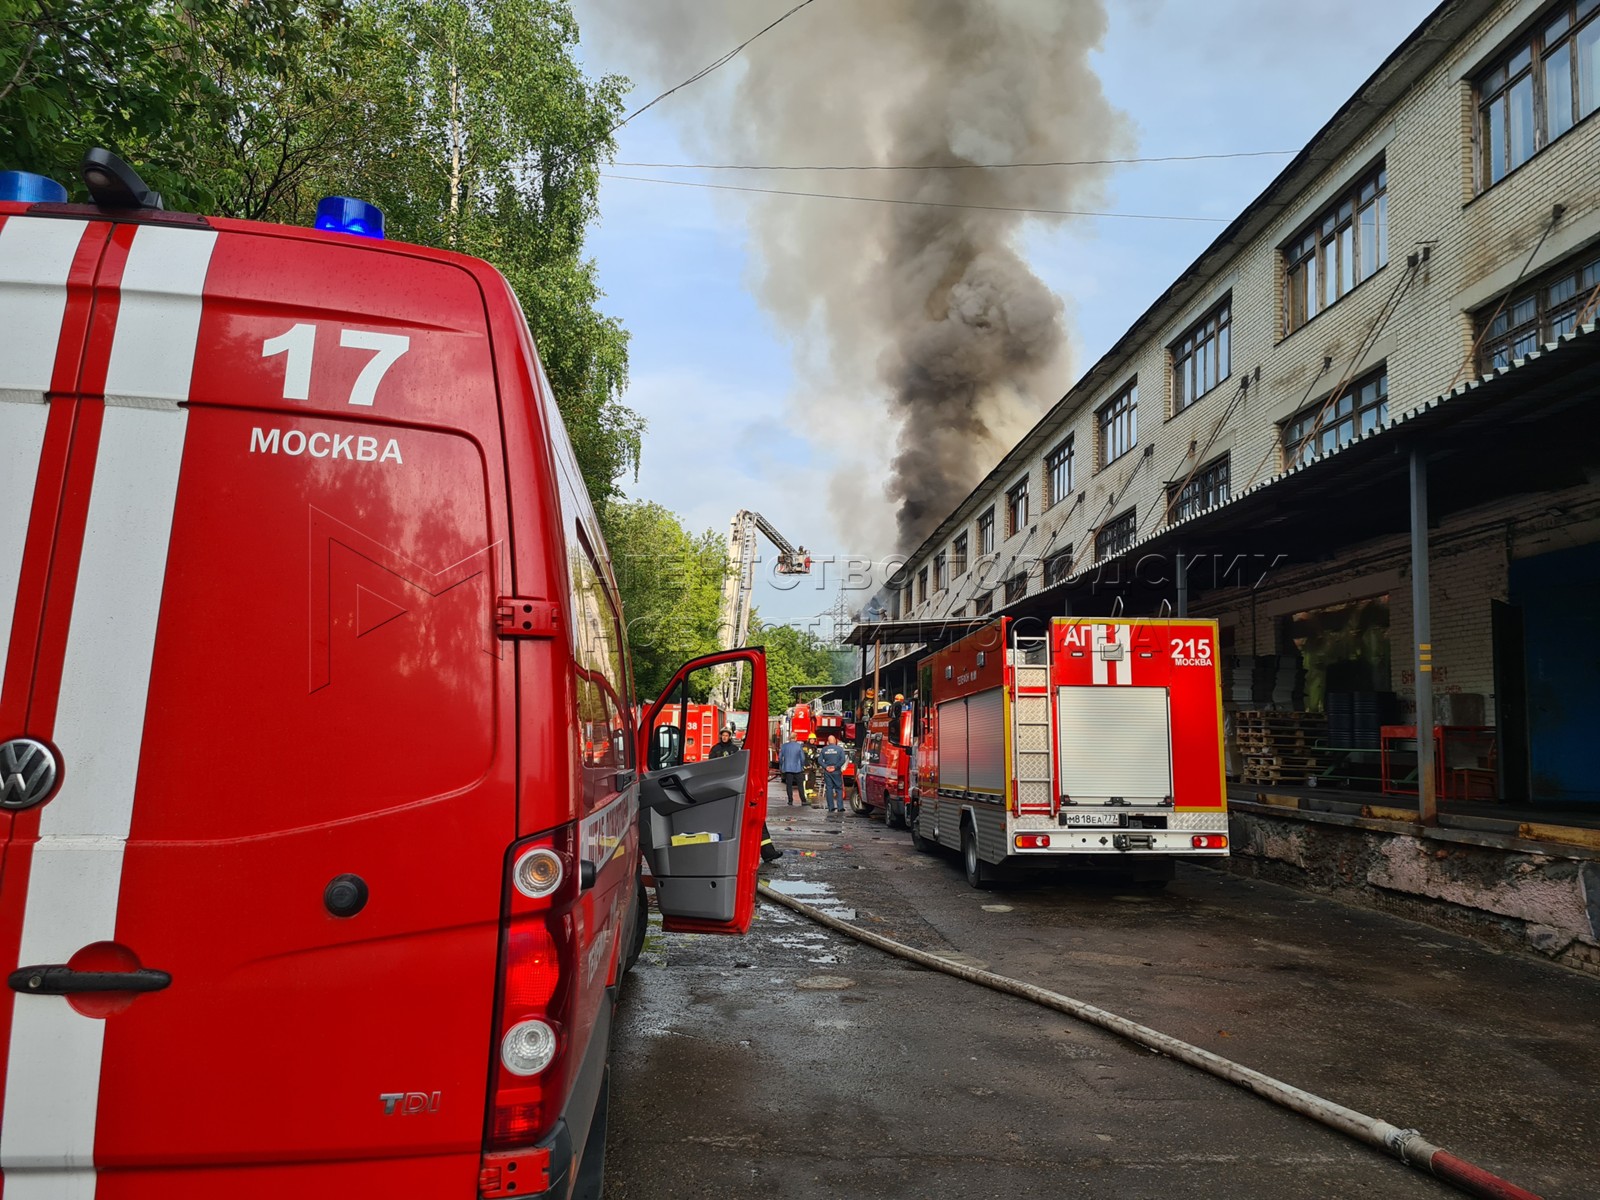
x=1443 y=229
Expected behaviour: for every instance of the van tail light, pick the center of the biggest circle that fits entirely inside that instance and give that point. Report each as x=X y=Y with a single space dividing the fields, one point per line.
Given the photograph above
x=528 y=1066
x=1209 y=841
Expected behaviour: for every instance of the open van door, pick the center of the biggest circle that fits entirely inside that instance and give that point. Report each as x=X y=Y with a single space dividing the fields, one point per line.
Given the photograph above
x=701 y=822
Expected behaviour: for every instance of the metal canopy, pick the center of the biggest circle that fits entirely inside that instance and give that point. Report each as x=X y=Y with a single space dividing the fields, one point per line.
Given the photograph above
x=911 y=632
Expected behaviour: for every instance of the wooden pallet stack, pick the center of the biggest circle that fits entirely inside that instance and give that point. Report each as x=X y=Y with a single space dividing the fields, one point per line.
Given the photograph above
x=1281 y=747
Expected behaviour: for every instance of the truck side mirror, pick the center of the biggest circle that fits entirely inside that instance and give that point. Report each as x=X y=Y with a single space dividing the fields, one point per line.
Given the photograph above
x=666 y=747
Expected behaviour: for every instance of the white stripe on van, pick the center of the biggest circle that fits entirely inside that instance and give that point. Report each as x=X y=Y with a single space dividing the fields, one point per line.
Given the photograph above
x=53 y=1077
x=35 y=260
x=152 y=351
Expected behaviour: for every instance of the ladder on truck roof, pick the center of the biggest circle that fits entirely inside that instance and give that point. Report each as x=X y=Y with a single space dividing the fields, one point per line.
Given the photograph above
x=1030 y=724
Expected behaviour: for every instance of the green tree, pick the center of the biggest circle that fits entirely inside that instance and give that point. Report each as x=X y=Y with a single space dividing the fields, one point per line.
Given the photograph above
x=136 y=76
x=671 y=584
x=794 y=656
x=500 y=159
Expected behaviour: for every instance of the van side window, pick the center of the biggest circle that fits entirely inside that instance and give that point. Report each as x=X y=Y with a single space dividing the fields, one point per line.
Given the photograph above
x=600 y=680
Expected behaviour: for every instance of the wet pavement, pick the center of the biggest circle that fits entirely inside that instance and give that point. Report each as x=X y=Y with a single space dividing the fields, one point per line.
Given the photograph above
x=798 y=1063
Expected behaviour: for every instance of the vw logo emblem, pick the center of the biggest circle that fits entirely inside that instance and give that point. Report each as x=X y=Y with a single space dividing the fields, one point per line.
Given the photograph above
x=27 y=773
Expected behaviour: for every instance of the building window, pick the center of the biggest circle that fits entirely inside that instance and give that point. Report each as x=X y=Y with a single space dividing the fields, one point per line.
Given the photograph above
x=1016 y=587
x=940 y=578
x=1116 y=535
x=983 y=605
x=986 y=532
x=1208 y=488
x=1539 y=313
x=1118 y=421
x=1058 y=474
x=1201 y=358
x=1539 y=89
x=1325 y=426
x=1058 y=567
x=1017 y=507
x=1345 y=245
x=958 y=557
x=922 y=586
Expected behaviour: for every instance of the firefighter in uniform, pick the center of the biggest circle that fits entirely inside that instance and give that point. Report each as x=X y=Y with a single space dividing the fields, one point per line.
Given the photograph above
x=813 y=784
x=832 y=759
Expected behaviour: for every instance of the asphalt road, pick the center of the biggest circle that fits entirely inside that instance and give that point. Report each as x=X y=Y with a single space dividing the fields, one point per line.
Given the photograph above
x=797 y=1063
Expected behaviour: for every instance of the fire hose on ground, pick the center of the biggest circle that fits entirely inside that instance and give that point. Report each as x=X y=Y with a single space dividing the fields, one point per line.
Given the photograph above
x=1408 y=1145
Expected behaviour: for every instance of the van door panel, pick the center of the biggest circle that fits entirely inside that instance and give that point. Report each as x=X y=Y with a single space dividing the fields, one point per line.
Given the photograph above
x=704 y=885
x=697 y=879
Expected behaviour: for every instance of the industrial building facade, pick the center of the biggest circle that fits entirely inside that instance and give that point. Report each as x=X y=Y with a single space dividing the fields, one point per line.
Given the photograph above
x=1381 y=380
x=1442 y=228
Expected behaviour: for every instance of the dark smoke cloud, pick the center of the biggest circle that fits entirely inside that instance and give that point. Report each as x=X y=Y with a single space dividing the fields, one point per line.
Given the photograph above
x=931 y=312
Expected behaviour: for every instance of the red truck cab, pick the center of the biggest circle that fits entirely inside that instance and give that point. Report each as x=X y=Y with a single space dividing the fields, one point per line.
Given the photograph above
x=322 y=797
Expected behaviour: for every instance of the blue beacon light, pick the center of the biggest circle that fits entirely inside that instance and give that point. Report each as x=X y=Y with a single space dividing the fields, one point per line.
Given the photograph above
x=27 y=188
x=341 y=214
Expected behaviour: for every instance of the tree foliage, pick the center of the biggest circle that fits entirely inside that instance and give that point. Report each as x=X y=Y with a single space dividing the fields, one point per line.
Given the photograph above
x=794 y=656
x=671 y=584
x=468 y=121
x=135 y=75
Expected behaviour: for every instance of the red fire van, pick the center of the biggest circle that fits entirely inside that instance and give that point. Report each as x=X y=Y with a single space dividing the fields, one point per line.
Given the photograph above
x=322 y=797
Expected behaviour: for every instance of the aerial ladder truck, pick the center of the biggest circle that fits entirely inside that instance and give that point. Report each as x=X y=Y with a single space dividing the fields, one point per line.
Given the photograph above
x=733 y=624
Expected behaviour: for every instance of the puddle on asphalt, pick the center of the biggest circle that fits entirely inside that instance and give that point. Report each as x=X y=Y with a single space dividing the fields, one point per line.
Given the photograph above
x=997 y=908
x=800 y=941
x=800 y=889
x=817 y=894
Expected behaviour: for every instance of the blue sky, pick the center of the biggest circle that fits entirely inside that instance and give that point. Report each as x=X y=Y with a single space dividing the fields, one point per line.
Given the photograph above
x=716 y=377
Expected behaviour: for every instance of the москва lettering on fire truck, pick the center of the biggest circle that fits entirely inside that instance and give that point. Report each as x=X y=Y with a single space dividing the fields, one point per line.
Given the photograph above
x=320 y=444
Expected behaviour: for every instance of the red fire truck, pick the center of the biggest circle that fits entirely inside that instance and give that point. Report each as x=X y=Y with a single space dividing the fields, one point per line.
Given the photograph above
x=321 y=795
x=1098 y=742
x=702 y=724
x=887 y=775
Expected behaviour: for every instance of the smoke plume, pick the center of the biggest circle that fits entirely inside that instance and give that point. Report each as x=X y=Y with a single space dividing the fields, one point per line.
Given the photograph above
x=928 y=312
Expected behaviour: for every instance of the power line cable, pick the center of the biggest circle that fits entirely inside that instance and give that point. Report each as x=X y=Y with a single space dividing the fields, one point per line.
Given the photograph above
x=708 y=68
x=1050 y=212
x=953 y=166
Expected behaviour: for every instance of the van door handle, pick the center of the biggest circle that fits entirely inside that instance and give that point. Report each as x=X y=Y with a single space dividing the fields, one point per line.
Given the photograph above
x=58 y=980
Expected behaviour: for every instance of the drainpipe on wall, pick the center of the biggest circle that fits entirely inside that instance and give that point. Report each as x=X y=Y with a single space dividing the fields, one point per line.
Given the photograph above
x=866 y=709
x=1422 y=638
x=877 y=671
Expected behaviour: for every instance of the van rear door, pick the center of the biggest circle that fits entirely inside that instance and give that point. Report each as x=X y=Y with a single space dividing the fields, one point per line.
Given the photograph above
x=702 y=821
x=285 y=726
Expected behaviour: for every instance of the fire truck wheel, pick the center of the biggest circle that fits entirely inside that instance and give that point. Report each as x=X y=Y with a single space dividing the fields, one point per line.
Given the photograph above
x=979 y=873
x=919 y=842
x=857 y=805
x=894 y=813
